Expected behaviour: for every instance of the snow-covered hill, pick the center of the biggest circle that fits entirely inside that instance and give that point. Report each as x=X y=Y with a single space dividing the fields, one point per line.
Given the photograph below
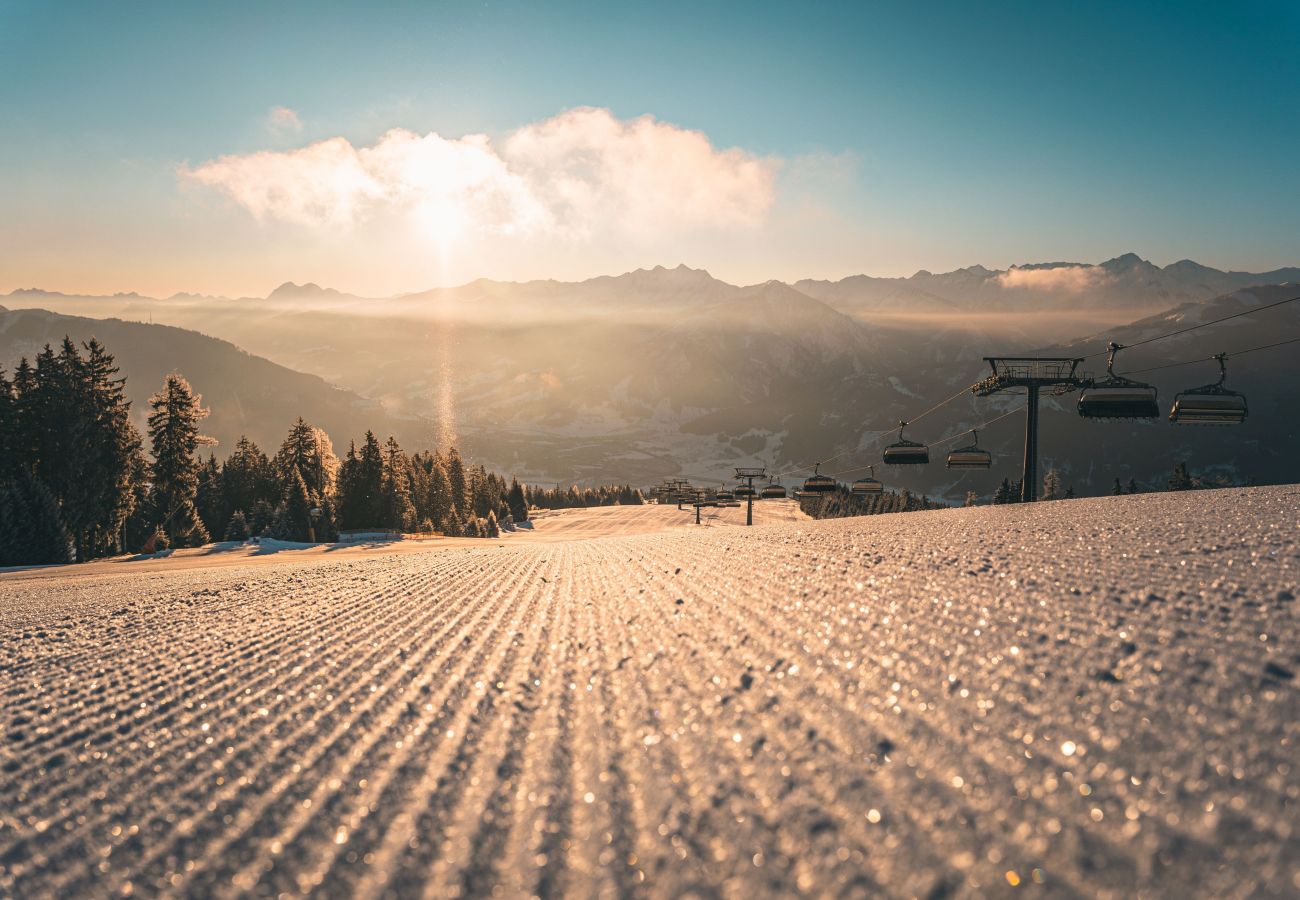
x=1086 y=698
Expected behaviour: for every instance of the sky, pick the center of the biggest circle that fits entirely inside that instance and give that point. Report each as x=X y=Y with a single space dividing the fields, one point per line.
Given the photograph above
x=389 y=147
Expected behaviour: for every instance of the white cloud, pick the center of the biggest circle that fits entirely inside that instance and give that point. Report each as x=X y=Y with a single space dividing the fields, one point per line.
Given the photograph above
x=283 y=120
x=1062 y=279
x=581 y=174
x=593 y=170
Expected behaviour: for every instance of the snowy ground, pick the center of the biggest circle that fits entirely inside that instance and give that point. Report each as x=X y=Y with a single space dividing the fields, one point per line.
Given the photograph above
x=1080 y=698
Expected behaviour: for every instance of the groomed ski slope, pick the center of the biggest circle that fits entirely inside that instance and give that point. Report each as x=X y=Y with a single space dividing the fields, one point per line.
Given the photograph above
x=1081 y=698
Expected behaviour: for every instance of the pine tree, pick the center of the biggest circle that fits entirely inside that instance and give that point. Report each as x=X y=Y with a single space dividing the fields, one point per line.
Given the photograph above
x=1117 y=489
x=491 y=527
x=208 y=497
x=293 y=516
x=480 y=492
x=309 y=450
x=175 y=437
x=1181 y=480
x=361 y=486
x=398 y=510
x=237 y=528
x=44 y=410
x=349 y=490
x=31 y=527
x=326 y=524
x=441 y=498
x=1003 y=493
x=246 y=477
x=116 y=450
x=1052 y=485
x=451 y=525
x=456 y=475
x=68 y=424
x=518 y=503
x=1132 y=486
x=8 y=433
x=262 y=517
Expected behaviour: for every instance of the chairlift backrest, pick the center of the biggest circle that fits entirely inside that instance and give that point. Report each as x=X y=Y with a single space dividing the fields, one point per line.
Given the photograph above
x=906 y=453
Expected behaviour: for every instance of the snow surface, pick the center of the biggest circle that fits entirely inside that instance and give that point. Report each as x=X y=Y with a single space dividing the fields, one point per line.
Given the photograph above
x=1087 y=698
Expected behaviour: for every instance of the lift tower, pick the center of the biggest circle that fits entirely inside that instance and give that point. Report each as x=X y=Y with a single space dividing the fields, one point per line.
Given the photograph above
x=1031 y=373
x=749 y=474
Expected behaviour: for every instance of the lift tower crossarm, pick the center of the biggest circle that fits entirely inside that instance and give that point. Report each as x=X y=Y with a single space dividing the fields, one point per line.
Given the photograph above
x=1031 y=373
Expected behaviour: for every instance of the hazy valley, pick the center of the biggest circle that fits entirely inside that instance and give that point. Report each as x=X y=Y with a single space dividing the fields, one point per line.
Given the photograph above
x=670 y=371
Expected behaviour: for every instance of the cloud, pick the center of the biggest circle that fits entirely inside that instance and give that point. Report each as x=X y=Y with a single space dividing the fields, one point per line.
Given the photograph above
x=283 y=120
x=589 y=168
x=581 y=174
x=1062 y=279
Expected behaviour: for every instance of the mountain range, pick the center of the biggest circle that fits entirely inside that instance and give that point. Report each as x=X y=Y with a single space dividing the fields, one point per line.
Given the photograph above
x=670 y=371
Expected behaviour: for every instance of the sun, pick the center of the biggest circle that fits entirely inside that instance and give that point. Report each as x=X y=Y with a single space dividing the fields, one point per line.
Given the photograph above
x=442 y=222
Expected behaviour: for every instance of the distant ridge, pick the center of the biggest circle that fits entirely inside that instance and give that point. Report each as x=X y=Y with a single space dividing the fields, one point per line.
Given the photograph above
x=1184 y=279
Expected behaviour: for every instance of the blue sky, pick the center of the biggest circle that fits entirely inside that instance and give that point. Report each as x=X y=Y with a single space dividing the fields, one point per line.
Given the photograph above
x=898 y=138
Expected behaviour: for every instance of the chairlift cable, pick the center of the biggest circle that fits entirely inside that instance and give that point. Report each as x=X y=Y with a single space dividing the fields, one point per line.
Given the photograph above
x=1201 y=359
x=951 y=438
x=821 y=462
x=1161 y=337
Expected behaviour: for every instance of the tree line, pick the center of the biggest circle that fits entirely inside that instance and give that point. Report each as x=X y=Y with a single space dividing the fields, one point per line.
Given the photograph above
x=76 y=482
x=843 y=503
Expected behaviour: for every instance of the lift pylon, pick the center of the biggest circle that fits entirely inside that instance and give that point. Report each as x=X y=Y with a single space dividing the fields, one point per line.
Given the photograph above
x=1033 y=374
x=749 y=473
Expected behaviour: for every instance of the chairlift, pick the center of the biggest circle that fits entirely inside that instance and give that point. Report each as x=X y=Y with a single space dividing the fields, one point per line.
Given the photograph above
x=1117 y=397
x=744 y=491
x=1211 y=404
x=905 y=452
x=816 y=483
x=868 y=484
x=971 y=456
x=773 y=491
x=724 y=494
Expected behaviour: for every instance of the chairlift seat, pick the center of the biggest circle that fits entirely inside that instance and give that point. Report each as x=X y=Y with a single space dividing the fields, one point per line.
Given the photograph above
x=773 y=492
x=907 y=453
x=818 y=484
x=1119 y=398
x=864 y=486
x=971 y=457
x=1210 y=405
x=745 y=491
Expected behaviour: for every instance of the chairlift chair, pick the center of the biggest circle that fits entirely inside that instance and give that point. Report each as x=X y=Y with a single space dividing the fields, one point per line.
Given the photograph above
x=817 y=483
x=773 y=491
x=724 y=494
x=743 y=491
x=905 y=452
x=1211 y=404
x=971 y=456
x=1117 y=397
x=868 y=484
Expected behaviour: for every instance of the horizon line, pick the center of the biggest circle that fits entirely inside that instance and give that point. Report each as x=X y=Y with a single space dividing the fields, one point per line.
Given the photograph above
x=647 y=269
